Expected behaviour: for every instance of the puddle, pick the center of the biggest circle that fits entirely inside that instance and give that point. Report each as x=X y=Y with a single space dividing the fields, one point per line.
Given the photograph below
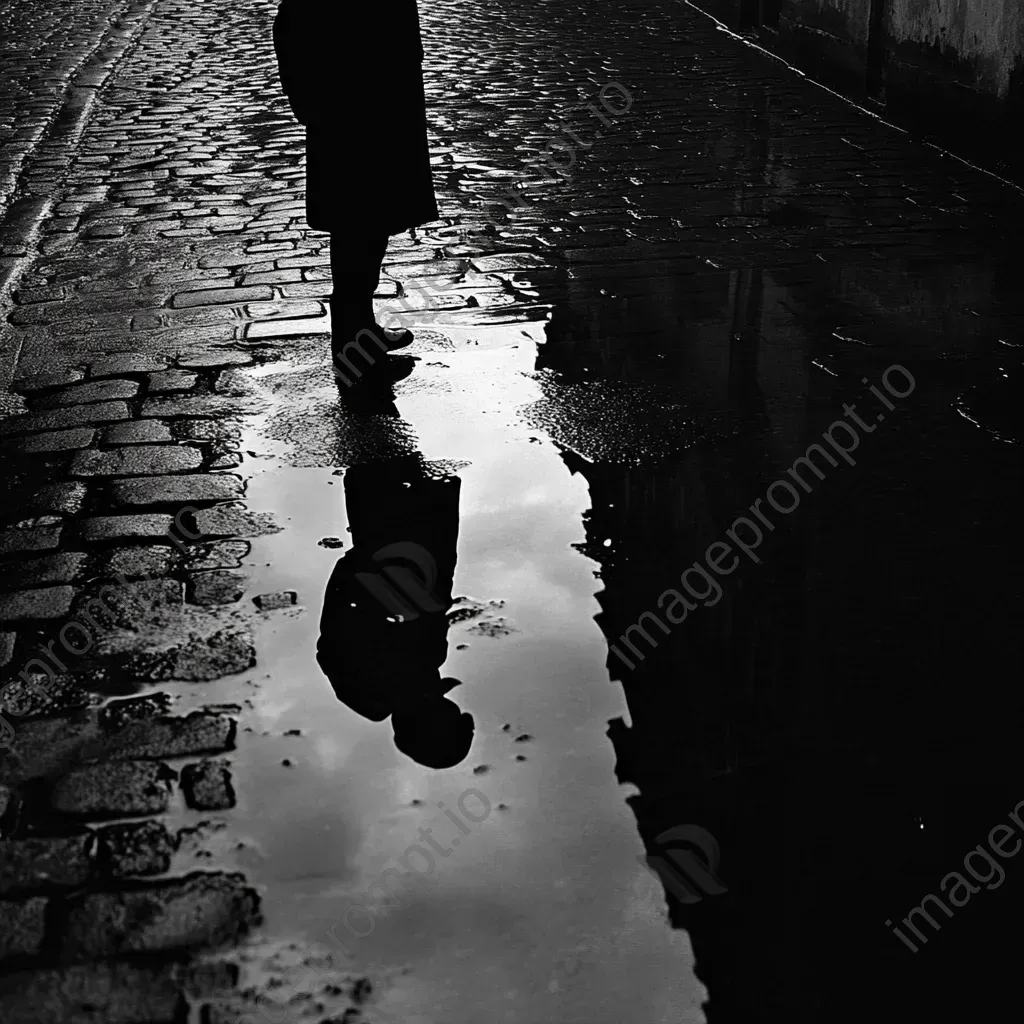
x=542 y=907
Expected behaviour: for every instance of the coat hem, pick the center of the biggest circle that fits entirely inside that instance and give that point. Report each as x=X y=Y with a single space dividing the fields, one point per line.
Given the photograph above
x=389 y=230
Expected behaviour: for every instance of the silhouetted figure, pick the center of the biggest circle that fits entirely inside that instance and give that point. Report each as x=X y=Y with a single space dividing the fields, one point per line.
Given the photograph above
x=384 y=630
x=352 y=74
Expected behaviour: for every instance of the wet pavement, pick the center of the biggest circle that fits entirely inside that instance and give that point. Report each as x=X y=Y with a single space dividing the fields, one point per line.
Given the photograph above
x=667 y=265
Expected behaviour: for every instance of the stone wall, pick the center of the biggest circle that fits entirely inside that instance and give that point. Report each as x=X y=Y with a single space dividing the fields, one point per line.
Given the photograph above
x=958 y=59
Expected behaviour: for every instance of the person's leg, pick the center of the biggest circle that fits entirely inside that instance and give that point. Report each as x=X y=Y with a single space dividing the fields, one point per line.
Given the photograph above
x=355 y=269
x=377 y=248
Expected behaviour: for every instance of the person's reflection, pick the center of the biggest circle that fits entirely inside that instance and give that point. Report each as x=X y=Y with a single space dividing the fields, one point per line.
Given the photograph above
x=384 y=630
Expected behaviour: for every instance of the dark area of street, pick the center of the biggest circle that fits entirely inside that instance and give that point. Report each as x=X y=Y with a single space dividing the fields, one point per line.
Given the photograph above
x=715 y=389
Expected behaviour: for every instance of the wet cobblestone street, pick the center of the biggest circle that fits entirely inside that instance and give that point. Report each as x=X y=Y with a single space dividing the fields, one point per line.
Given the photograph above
x=665 y=264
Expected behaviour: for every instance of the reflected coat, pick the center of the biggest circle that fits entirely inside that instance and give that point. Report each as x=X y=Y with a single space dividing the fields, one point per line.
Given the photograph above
x=376 y=664
x=353 y=77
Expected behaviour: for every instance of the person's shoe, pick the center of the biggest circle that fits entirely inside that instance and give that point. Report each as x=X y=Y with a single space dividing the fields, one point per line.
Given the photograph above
x=366 y=345
x=395 y=339
x=376 y=379
x=349 y=328
x=364 y=348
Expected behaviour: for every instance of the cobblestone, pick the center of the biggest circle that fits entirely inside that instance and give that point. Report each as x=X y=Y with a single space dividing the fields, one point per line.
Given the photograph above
x=22 y=927
x=221 y=296
x=214 y=360
x=274 y=602
x=35 y=605
x=125 y=362
x=47 y=380
x=132 y=607
x=237 y=522
x=140 y=562
x=119 y=713
x=138 y=432
x=59 y=440
x=117 y=789
x=63 y=498
x=10 y=811
x=222 y=554
x=7 y=641
x=132 y=527
x=201 y=657
x=45 y=747
x=285 y=329
x=97 y=391
x=33 y=572
x=217 y=587
x=207 y=786
x=35 y=865
x=114 y=993
x=207 y=430
x=167 y=737
x=139 y=460
x=36 y=693
x=171 y=380
x=201 y=910
x=39 y=538
x=145 y=848
x=176 y=490
x=63 y=418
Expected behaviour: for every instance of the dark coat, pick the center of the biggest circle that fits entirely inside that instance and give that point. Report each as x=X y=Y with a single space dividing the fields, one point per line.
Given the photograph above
x=353 y=77
x=376 y=664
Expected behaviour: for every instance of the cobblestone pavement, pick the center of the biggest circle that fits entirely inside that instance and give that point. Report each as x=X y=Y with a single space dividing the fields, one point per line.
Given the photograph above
x=56 y=60
x=44 y=46
x=664 y=263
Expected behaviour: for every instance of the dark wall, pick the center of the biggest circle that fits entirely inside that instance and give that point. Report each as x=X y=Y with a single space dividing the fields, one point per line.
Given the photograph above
x=954 y=70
